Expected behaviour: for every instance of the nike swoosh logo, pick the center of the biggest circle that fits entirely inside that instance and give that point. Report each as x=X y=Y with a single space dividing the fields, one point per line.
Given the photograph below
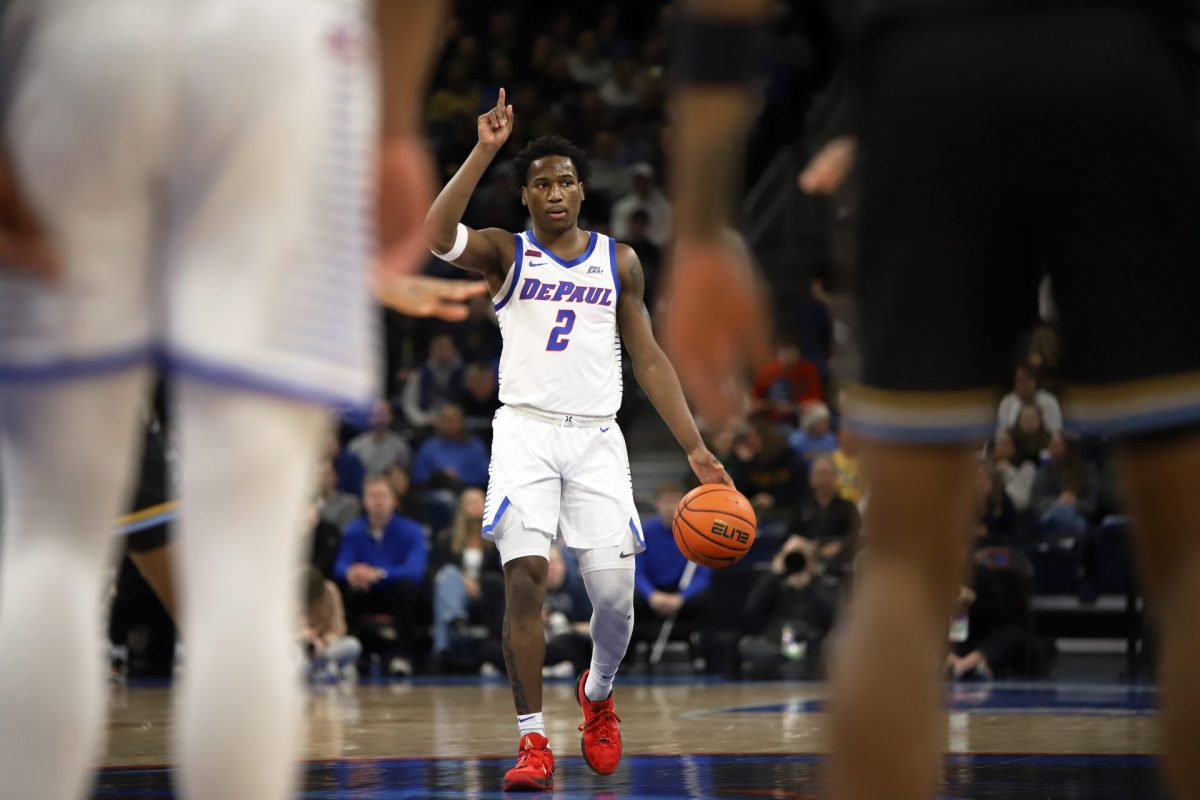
x=537 y=263
x=604 y=430
x=627 y=555
x=526 y=719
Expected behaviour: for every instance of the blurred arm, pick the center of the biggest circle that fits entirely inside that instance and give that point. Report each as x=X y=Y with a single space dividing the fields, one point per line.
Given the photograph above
x=408 y=39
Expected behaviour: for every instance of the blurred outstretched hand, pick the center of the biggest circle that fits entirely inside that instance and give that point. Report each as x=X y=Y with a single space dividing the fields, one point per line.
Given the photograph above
x=716 y=323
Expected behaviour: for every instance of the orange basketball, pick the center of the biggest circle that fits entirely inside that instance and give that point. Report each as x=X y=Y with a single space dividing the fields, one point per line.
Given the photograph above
x=714 y=525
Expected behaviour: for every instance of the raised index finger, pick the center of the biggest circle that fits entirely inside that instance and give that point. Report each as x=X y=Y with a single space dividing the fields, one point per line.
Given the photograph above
x=500 y=101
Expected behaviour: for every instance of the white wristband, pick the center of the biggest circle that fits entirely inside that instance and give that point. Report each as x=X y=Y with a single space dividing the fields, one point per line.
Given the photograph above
x=460 y=244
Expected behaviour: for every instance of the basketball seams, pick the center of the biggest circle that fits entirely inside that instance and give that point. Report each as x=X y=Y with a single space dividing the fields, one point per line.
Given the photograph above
x=696 y=493
x=722 y=512
x=683 y=545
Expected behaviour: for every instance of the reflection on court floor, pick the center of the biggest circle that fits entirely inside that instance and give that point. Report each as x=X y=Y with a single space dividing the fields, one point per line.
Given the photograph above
x=683 y=739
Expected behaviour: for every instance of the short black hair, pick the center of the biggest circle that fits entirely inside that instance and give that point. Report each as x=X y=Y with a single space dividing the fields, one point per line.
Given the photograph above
x=549 y=146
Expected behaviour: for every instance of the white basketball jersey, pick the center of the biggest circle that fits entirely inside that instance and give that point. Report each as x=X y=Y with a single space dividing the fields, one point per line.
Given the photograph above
x=562 y=349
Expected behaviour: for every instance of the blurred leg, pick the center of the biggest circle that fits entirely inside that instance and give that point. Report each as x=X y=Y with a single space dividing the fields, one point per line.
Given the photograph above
x=248 y=461
x=888 y=727
x=1160 y=479
x=68 y=451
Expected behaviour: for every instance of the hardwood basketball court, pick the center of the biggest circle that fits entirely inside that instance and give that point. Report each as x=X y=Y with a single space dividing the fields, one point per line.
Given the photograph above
x=684 y=738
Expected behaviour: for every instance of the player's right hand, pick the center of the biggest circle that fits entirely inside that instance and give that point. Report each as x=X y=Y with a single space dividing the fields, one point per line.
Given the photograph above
x=496 y=125
x=23 y=246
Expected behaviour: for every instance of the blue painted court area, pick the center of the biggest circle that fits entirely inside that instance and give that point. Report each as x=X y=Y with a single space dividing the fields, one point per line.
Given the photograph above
x=983 y=698
x=979 y=777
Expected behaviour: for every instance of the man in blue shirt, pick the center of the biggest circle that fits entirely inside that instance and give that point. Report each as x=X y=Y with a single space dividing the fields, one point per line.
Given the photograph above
x=660 y=571
x=381 y=565
x=452 y=458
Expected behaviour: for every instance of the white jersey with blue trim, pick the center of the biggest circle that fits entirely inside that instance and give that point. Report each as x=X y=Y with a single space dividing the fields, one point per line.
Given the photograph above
x=562 y=347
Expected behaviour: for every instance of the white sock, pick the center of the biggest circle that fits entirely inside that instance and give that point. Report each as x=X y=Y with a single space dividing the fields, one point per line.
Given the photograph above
x=68 y=452
x=531 y=723
x=611 y=593
x=247 y=465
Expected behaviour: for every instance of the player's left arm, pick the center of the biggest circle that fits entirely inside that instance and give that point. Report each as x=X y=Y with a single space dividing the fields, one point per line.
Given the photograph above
x=654 y=371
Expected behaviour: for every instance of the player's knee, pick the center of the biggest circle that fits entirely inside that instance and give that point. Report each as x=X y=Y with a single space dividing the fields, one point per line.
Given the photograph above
x=611 y=591
x=525 y=586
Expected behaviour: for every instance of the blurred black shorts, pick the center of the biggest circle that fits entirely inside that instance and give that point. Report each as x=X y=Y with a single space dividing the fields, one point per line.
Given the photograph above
x=998 y=147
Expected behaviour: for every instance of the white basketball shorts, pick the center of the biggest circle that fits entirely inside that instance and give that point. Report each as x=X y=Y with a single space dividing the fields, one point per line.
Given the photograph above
x=549 y=478
x=205 y=169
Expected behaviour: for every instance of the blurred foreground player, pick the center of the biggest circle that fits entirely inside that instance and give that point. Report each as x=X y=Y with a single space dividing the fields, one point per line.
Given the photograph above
x=202 y=172
x=999 y=141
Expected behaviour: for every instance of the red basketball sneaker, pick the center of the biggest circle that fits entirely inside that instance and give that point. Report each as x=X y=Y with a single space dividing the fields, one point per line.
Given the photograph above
x=535 y=766
x=601 y=740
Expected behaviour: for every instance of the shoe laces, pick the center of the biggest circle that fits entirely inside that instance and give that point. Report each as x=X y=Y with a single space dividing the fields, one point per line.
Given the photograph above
x=600 y=724
x=534 y=755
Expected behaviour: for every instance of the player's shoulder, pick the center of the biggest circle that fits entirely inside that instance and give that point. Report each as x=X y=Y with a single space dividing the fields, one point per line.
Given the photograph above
x=629 y=266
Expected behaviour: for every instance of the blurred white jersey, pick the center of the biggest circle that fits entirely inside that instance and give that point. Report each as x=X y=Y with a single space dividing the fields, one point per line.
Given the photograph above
x=205 y=168
x=562 y=347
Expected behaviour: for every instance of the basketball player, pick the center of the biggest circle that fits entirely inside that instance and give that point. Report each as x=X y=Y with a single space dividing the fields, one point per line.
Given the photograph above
x=1000 y=140
x=566 y=299
x=185 y=181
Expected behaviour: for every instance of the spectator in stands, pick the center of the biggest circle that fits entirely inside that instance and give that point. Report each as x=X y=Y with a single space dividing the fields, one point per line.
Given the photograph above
x=492 y=206
x=480 y=400
x=452 y=458
x=456 y=96
x=567 y=619
x=999 y=641
x=764 y=469
x=645 y=196
x=468 y=579
x=331 y=651
x=408 y=502
x=845 y=461
x=335 y=506
x=586 y=65
x=787 y=383
x=1015 y=475
x=1027 y=392
x=325 y=541
x=798 y=610
x=620 y=90
x=1044 y=355
x=439 y=381
x=557 y=87
x=350 y=470
x=1065 y=493
x=380 y=567
x=995 y=515
x=722 y=440
x=660 y=570
x=478 y=336
x=610 y=178
x=649 y=253
x=826 y=520
x=815 y=436
x=380 y=447
x=1030 y=436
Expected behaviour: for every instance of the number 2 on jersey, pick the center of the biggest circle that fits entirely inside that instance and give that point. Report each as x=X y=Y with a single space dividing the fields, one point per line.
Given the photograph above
x=558 y=341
